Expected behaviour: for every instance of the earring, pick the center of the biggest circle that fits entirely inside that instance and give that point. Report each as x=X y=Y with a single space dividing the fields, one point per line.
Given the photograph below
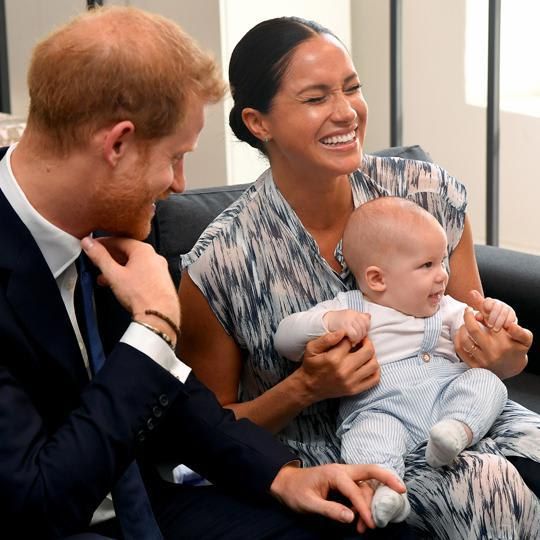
x=266 y=140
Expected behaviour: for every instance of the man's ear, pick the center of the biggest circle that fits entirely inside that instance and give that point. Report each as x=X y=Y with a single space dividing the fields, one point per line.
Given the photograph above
x=117 y=140
x=255 y=122
x=375 y=279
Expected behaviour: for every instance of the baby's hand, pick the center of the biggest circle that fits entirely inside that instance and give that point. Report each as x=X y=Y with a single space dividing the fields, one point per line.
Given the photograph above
x=354 y=323
x=495 y=314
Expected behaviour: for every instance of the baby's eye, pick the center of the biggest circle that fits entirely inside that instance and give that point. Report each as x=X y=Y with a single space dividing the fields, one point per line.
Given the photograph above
x=428 y=264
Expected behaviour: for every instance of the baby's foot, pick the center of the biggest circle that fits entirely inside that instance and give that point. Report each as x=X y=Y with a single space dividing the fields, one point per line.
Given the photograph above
x=388 y=506
x=447 y=439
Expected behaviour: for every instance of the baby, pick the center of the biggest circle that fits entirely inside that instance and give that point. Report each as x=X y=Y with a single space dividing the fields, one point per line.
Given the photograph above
x=397 y=253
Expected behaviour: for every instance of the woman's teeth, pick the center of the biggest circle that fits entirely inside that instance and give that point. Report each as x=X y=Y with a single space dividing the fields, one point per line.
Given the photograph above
x=340 y=139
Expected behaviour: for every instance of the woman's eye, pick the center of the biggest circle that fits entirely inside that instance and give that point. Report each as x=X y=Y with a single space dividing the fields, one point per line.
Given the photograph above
x=353 y=89
x=315 y=99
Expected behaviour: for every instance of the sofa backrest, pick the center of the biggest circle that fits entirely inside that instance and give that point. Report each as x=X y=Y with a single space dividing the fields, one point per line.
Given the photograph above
x=507 y=275
x=182 y=217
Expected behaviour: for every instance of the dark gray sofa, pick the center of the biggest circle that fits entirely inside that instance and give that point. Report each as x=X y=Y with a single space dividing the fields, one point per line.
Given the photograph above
x=508 y=275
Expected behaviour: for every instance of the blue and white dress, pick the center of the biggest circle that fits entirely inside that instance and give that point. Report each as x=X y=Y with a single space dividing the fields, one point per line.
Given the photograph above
x=256 y=264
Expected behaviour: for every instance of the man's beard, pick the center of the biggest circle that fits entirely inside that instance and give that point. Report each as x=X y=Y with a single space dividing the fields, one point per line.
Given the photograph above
x=125 y=208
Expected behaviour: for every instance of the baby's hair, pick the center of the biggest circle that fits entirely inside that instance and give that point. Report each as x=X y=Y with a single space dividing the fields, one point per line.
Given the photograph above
x=378 y=228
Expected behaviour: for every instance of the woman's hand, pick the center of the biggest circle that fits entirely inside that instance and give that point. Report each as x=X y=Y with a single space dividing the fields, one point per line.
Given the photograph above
x=494 y=313
x=503 y=352
x=333 y=368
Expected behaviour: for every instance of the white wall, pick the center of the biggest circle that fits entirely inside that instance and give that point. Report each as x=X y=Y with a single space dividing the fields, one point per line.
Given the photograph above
x=370 y=31
x=238 y=16
x=436 y=114
x=27 y=22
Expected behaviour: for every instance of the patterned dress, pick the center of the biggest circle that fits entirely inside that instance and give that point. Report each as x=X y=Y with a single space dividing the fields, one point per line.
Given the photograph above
x=256 y=264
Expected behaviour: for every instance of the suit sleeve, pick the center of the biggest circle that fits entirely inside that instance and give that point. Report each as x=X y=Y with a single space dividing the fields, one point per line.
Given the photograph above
x=54 y=475
x=206 y=437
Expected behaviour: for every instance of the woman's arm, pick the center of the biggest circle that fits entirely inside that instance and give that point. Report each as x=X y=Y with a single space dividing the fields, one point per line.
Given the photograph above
x=464 y=275
x=329 y=368
x=503 y=352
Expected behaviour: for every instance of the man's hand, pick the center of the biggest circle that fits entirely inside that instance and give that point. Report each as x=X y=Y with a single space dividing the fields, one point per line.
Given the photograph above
x=306 y=490
x=355 y=324
x=138 y=277
x=503 y=352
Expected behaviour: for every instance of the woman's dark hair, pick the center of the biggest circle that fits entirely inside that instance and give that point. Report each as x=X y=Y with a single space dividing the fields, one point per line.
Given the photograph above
x=258 y=63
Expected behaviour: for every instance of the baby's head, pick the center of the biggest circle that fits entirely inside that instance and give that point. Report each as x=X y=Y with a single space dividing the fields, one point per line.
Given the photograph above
x=397 y=252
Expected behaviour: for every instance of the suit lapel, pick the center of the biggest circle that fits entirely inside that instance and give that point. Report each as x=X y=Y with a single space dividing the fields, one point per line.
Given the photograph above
x=33 y=294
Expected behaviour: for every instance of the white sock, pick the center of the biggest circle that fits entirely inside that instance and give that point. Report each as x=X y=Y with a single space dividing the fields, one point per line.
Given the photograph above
x=388 y=506
x=447 y=439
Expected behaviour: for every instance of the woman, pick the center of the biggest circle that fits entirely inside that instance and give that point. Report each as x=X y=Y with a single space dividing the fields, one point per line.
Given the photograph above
x=277 y=250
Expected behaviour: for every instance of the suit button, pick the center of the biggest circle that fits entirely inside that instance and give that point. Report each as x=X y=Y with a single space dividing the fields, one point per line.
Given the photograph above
x=150 y=424
x=141 y=436
x=426 y=357
x=163 y=400
x=157 y=411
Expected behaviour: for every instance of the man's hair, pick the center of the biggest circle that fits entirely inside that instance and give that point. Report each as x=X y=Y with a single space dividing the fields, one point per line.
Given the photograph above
x=380 y=228
x=113 y=64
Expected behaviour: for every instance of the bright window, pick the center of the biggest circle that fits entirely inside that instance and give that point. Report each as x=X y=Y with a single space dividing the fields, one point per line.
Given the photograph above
x=520 y=49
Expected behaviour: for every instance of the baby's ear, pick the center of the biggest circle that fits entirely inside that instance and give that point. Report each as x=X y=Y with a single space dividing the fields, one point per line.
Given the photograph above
x=374 y=277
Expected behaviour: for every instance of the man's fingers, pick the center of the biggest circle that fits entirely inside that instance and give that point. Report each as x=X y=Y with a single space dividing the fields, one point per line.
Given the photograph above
x=332 y=510
x=356 y=495
x=374 y=472
x=97 y=253
x=360 y=503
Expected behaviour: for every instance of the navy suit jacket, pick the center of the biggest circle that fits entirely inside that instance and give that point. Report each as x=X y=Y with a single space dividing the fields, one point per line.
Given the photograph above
x=64 y=440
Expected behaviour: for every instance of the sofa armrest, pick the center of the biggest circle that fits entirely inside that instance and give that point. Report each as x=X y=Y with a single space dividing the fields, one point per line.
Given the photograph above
x=514 y=278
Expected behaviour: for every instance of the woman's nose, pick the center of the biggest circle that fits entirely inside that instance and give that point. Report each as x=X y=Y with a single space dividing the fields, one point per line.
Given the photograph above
x=343 y=109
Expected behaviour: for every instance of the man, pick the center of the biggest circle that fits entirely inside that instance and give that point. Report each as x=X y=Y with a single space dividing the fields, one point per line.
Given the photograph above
x=117 y=99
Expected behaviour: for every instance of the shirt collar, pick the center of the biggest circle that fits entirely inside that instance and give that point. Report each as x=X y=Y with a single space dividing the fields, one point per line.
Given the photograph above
x=59 y=248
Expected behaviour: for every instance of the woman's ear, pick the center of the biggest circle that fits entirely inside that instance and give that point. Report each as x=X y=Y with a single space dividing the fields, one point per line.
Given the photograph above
x=116 y=141
x=256 y=123
x=374 y=277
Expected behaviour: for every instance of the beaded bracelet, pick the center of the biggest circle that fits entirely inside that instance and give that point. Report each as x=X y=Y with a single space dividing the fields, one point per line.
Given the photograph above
x=158 y=332
x=163 y=317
